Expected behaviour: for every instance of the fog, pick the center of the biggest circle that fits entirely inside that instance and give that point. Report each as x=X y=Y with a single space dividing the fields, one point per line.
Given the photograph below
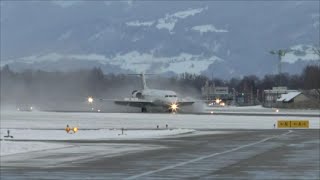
x=69 y=91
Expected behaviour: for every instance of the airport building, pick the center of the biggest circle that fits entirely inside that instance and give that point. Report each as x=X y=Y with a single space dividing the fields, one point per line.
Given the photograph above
x=212 y=92
x=270 y=96
x=281 y=97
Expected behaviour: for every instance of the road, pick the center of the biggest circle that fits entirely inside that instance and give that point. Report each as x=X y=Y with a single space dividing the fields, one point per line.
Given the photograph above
x=241 y=154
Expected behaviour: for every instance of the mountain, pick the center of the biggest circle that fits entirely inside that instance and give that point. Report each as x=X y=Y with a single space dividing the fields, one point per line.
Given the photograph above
x=223 y=39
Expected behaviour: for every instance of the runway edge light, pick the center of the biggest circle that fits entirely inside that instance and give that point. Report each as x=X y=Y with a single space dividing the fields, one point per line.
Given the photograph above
x=75 y=129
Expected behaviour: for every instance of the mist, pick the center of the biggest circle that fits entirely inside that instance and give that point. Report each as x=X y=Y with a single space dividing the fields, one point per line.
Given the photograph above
x=69 y=91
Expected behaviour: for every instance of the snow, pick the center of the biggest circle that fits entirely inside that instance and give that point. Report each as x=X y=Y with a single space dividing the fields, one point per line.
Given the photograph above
x=240 y=108
x=141 y=62
x=100 y=134
x=189 y=63
x=170 y=20
x=136 y=61
x=259 y=110
x=10 y=147
x=46 y=126
x=38 y=58
x=138 y=23
x=58 y=120
x=288 y=97
x=187 y=13
x=208 y=28
x=308 y=54
x=167 y=23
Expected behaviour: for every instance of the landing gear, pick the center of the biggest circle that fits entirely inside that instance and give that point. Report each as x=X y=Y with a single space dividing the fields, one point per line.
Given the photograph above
x=143 y=109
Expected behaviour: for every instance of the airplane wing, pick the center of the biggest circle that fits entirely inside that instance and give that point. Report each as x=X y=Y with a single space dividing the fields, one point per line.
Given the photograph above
x=135 y=102
x=185 y=103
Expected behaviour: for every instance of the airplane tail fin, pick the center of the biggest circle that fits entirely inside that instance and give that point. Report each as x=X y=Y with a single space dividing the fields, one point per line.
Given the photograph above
x=143 y=78
x=144 y=83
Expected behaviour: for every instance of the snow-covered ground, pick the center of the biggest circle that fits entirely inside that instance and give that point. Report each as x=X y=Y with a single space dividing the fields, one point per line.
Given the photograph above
x=101 y=134
x=11 y=150
x=98 y=126
x=11 y=147
x=259 y=110
x=59 y=120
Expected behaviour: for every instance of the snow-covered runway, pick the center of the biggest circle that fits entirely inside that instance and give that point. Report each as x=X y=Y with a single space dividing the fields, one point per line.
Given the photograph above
x=101 y=134
x=26 y=140
x=58 y=120
x=166 y=140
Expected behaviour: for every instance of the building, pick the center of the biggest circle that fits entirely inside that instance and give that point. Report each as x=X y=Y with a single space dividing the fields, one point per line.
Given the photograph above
x=270 y=96
x=281 y=97
x=294 y=100
x=212 y=92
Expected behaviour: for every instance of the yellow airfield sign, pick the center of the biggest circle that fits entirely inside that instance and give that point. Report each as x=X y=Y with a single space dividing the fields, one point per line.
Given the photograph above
x=284 y=124
x=300 y=124
x=293 y=123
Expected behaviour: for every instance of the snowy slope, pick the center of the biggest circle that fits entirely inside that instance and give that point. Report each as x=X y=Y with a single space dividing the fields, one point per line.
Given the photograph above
x=161 y=36
x=301 y=52
x=134 y=61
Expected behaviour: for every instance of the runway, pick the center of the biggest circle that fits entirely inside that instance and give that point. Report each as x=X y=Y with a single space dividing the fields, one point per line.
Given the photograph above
x=239 y=154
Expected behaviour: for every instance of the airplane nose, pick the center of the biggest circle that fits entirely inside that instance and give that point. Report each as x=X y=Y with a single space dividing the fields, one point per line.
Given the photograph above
x=172 y=100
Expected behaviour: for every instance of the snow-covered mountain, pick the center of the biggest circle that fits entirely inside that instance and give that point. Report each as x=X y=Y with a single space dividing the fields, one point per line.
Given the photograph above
x=221 y=38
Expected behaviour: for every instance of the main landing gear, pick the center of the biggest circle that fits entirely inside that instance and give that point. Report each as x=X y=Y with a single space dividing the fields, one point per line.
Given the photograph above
x=143 y=109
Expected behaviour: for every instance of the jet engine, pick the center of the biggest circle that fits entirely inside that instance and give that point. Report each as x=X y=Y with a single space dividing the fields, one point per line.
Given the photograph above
x=137 y=94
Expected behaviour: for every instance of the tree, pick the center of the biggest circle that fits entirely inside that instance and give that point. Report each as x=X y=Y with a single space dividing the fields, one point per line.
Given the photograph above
x=311 y=77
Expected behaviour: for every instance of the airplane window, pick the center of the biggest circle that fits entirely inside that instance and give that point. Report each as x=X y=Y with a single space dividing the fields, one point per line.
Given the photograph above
x=166 y=96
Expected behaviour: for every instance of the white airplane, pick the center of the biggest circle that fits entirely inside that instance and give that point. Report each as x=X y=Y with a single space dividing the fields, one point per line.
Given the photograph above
x=147 y=99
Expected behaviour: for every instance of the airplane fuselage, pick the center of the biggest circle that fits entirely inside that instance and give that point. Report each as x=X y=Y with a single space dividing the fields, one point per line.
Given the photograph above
x=160 y=97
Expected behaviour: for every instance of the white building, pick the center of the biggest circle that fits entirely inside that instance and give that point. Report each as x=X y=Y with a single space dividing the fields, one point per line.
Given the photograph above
x=211 y=92
x=271 y=95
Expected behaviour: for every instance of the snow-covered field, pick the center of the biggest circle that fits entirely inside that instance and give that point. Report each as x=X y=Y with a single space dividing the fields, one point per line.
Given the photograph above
x=11 y=147
x=259 y=110
x=104 y=126
x=59 y=120
x=101 y=134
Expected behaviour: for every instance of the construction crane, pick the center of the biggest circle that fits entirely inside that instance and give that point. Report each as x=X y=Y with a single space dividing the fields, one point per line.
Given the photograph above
x=317 y=52
x=280 y=53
